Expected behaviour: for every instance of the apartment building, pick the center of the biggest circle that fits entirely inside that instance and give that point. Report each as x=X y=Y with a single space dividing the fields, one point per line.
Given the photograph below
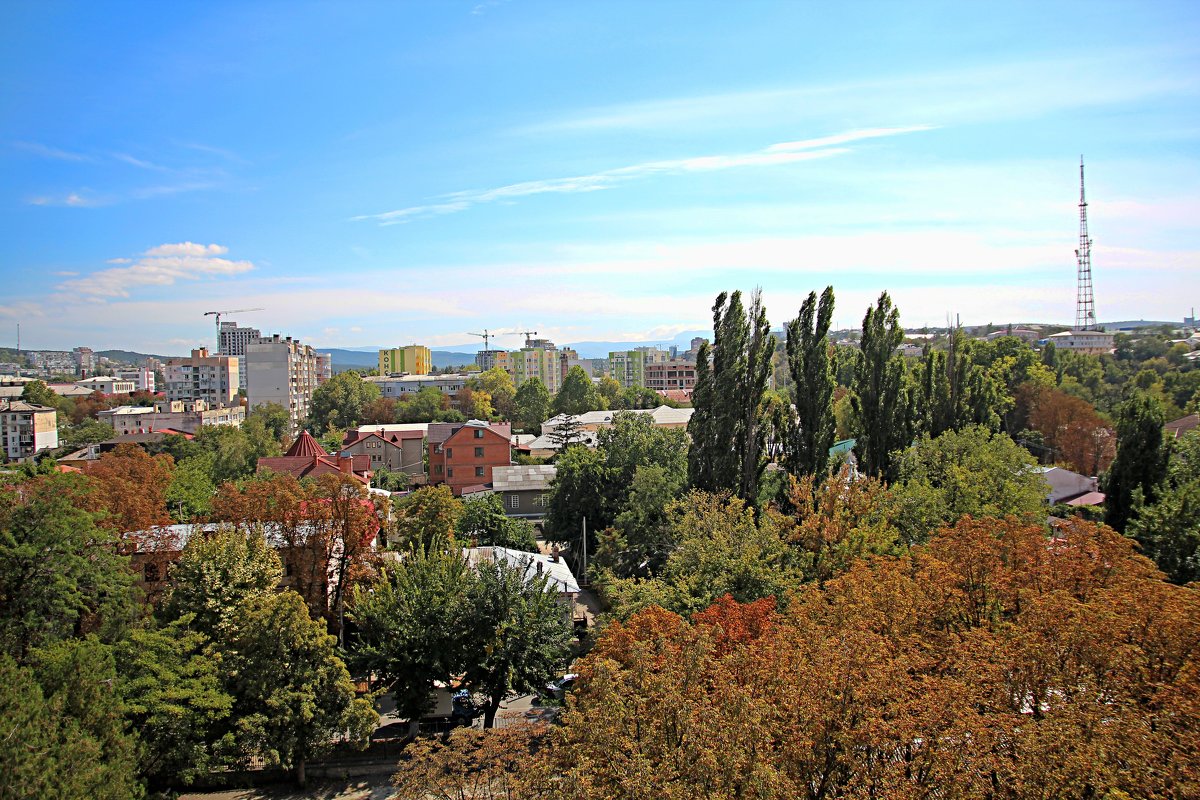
x=185 y=416
x=415 y=359
x=398 y=451
x=1081 y=341
x=673 y=375
x=486 y=359
x=85 y=361
x=281 y=370
x=396 y=386
x=142 y=377
x=537 y=359
x=27 y=429
x=211 y=378
x=232 y=340
x=627 y=367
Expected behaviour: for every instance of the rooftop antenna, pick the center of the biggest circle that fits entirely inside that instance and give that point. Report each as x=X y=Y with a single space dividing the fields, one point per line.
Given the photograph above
x=219 y=314
x=1085 y=307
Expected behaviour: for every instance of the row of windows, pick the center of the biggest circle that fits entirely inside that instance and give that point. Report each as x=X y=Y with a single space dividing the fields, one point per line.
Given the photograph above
x=479 y=471
x=450 y=452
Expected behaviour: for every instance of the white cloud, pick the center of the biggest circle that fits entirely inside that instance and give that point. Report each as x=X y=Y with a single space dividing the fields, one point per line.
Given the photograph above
x=22 y=310
x=50 y=152
x=158 y=266
x=772 y=155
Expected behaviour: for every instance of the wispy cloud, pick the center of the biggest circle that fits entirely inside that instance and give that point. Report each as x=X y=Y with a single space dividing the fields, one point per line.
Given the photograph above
x=772 y=155
x=159 y=266
x=140 y=163
x=84 y=198
x=47 y=151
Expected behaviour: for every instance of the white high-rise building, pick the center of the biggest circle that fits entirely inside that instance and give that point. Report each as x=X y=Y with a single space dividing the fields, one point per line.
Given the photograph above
x=232 y=341
x=281 y=370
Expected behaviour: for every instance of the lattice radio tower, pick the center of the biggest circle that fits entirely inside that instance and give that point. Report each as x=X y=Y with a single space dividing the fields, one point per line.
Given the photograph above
x=1085 y=306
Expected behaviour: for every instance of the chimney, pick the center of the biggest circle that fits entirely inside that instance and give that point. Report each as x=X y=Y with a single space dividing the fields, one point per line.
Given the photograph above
x=539 y=568
x=345 y=464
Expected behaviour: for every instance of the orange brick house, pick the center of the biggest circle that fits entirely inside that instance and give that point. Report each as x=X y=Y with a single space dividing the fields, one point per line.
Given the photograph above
x=463 y=454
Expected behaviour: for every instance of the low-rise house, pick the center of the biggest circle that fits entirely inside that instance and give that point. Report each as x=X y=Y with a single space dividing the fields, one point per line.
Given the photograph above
x=1179 y=427
x=464 y=454
x=107 y=385
x=306 y=458
x=27 y=429
x=559 y=578
x=662 y=417
x=1080 y=341
x=1065 y=486
x=398 y=451
x=524 y=489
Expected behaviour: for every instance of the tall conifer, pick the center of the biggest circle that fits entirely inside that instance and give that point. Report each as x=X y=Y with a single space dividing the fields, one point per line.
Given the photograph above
x=807 y=448
x=880 y=399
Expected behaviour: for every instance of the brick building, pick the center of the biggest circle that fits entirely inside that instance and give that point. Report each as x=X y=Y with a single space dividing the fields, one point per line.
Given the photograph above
x=463 y=455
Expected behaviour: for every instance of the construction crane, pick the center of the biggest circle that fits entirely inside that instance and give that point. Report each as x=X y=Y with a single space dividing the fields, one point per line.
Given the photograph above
x=486 y=336
x=527 y=335
x=218 y=315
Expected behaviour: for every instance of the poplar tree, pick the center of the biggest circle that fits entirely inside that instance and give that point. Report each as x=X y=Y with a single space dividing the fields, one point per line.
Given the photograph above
x=807 y=447
x=1141 y=462
x=880 y=399
x=731 y=378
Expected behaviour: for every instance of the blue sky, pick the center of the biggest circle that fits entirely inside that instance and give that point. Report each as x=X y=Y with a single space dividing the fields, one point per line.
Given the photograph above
x=387 y=173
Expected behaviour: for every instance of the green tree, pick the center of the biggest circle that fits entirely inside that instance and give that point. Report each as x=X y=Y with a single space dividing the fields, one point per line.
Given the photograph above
x=340 y=401
x=879 y=396
x=89 y=431
x=426 y=405
x=531 y=406
x=59 y=572
x=216 y=574
x=276 y=419
x=633 y=440
x=292 y=693
x=409 y=626
x=1141 y=462
x=236 y=451
x=643 y=538
x=610 y=390
x=581 y=490
x=519 y=633
x=429 y=514
x=499 y=386
x=807 y=448
x=170 y=683
x=731 y=378
x=578 y=395
x=191 y=490
x=969 y=472
x=484 y=520
x=46 y=748
x=38 y=393
x=1169 y=529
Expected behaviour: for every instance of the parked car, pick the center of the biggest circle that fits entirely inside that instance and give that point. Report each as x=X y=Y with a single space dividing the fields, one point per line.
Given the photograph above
x=559 y=687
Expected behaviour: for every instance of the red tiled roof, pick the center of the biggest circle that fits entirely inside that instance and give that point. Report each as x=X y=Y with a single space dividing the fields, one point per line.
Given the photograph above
x=391 y=437
x=306 y=446
x=306 y=466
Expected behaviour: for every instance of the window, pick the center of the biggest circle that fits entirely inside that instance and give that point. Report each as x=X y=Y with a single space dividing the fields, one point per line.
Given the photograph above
x=479 y=452
x=438 y=469
x=449 y=452
x=152 y=572
x=449 y=472
x=514 y=501
x=479 y=472
x=479 y=433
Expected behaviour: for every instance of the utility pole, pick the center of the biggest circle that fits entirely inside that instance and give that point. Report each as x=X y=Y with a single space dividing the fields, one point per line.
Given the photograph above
x=583 y=572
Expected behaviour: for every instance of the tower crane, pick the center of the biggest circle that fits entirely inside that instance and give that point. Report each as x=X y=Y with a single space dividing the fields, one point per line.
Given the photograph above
x=218 y=315
x=486 y=336
x=527 y=335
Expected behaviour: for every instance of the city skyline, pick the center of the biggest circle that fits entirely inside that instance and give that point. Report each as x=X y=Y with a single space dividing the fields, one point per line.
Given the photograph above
x=382 y=174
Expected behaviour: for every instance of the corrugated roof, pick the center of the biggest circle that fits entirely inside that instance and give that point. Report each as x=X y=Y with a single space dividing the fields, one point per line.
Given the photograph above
x=523 y=477
x=560 y=577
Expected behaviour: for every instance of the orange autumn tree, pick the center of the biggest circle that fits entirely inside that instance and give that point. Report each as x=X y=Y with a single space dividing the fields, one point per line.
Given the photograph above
x=324 y=529
x=995 y=662
x=1075 y=434
x=131 y=486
